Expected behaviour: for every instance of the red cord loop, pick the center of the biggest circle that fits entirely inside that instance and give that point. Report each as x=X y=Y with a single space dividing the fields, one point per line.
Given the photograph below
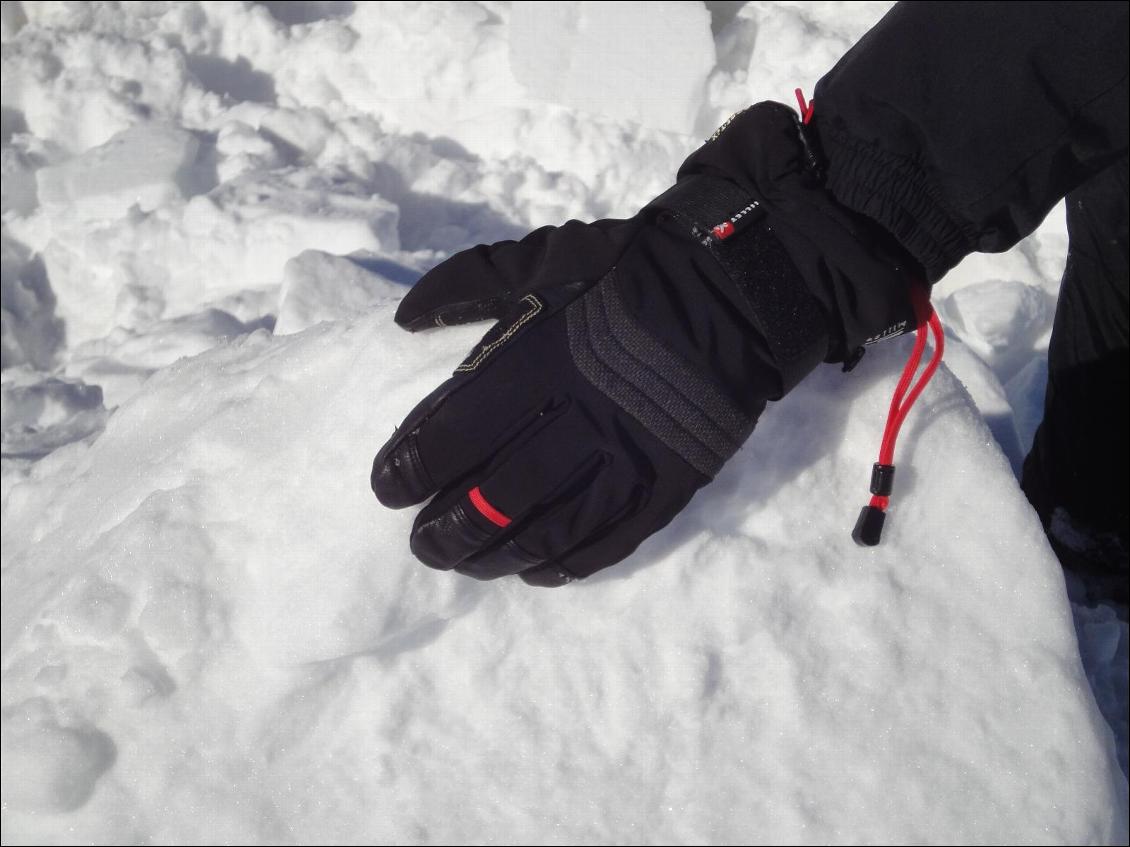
x=806 y=107
x=926 y=316
x=869 y=527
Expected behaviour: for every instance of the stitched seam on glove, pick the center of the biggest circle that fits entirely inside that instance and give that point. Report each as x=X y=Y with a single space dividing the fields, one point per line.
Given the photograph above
x=535 y=308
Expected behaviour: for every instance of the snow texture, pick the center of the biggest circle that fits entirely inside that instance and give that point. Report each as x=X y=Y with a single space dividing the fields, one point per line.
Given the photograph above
x=213 y=633
x=645 y=61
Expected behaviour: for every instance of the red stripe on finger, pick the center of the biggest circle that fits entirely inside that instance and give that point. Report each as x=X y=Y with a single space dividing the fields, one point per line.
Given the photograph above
x=486 y=509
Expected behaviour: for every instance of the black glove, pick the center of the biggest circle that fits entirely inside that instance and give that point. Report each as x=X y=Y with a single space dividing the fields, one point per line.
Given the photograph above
x=632 y=358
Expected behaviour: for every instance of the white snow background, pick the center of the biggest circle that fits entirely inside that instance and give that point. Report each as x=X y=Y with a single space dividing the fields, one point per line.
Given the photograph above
x=212 y=633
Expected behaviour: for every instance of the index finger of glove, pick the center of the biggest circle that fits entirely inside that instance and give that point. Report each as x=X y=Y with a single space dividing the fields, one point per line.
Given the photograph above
x=546 y=468
x=448 y=435
x=498 y=388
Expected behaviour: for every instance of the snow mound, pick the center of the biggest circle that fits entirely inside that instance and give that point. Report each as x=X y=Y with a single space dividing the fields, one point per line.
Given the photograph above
x=223 y=582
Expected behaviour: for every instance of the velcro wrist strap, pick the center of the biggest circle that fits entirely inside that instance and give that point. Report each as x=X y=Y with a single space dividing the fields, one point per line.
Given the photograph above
x=733 y=225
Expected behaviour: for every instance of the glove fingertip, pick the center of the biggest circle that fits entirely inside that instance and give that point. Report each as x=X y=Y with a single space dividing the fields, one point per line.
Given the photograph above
x=546 y=576
x=406 y=320
x=398 y=478
x=453 y=314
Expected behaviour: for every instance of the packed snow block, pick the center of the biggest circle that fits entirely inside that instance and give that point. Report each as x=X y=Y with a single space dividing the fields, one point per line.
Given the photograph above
x=646 y=61
x=147 y=165
x=177 y=261
x=319 y=287
x=214 y=575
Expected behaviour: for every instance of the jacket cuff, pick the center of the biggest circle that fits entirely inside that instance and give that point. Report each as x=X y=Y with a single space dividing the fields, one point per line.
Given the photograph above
x=899 y=196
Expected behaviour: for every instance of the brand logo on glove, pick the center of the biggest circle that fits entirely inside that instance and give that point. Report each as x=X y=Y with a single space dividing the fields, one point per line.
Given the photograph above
x=889 y=332
x=728 y=227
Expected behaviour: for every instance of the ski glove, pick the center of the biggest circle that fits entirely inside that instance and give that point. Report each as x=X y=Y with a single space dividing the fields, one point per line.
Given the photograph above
x=632 y=358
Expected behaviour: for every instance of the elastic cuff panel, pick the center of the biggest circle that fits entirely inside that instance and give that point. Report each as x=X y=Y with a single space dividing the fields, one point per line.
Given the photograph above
x=899 y=197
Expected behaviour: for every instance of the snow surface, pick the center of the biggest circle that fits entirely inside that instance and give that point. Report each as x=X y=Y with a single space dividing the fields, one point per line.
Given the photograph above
x=212 y=632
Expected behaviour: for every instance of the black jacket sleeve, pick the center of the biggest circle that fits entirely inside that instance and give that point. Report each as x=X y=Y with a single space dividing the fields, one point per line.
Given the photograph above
x=958 y=126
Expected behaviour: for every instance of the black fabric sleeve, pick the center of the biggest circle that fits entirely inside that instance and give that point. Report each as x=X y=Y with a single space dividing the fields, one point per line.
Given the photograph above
x=958 y=126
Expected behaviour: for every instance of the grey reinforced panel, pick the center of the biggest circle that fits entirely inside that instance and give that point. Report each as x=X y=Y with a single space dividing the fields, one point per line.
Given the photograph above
x=680 y=407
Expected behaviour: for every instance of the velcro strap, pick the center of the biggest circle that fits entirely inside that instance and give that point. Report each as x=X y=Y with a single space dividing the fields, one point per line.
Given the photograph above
x=772 y=293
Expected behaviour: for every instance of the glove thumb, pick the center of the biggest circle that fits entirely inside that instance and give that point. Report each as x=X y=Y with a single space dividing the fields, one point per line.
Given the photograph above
x=485 y=281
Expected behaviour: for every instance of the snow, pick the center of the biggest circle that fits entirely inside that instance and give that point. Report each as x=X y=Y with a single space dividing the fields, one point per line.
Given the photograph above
x=642 y=61
x=318 y=286
x=213 y=633
x=144 y=165
x=1000 y=318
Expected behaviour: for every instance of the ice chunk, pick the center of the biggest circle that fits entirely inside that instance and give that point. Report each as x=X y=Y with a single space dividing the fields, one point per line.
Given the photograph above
x=318 y=286
x=147 y=165
x=645 y=61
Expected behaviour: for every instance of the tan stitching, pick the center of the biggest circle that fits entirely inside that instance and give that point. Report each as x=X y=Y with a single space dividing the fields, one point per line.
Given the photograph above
x=725 y=124
x=535 y=304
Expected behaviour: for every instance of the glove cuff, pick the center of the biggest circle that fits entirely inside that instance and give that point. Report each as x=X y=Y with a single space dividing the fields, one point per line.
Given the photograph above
x=857 y=270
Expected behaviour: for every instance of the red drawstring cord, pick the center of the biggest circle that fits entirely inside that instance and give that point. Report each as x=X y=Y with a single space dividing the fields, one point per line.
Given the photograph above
x=869 y=527
x=805 y=107
x=926 y=316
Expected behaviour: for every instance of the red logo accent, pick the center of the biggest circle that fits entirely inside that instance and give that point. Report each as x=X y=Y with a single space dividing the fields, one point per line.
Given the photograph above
x=723 y=231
